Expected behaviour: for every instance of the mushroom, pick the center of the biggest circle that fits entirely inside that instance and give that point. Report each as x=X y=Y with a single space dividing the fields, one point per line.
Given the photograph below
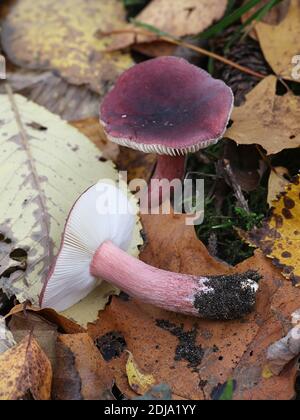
x=96 y=237
x=169 y=107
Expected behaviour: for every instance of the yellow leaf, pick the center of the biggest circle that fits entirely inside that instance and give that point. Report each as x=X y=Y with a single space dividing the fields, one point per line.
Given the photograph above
x=277 y=183
x=62 y=35
x=279 y=237
x=267 y=119
x=25 y=369
x=45 y=166
x=267 y=373
x=281 y=43
x=138 y=381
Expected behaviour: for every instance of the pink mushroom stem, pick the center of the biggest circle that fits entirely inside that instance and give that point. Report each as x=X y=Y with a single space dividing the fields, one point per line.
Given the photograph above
x=170 y=167
x=205 y=297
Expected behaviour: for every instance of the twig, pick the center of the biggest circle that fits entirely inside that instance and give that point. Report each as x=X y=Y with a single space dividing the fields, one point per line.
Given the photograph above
x=235 y=185
x=175 y=41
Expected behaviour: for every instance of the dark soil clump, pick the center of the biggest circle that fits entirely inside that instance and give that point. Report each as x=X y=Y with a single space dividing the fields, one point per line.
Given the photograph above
x=230 y=299
x=187 y=348
x=111 y=345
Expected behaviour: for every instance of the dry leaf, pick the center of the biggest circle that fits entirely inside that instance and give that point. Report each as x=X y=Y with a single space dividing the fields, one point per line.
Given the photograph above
x=94 y=131
x=204 y=354
x=64 y=324
x=273 y=17
x=43 y=332
x=138 y=165
x=279 y=236
x=51 y=34
x=46 y=165
x=267 y=119
x=277 y=183
x=281 y=43
x=81 y=373
x=24 y=370
x=177 y=18
x=138 y=381
x=47 y=89
x=6 y=338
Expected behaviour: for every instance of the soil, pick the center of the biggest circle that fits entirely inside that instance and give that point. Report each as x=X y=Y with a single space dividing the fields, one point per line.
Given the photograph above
x=111 y=345
x=187 y=348
x=230 y=299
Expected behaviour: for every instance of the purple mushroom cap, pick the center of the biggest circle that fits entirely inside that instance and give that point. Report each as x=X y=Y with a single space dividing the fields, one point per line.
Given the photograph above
x=167 y=106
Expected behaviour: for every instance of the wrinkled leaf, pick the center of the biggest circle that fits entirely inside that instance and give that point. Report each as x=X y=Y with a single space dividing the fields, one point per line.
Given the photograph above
x=81 y=373
x=61 y=35
x=281 y=43
x=267 y=119
x=25 y=369
x=45 y=165
x=140 y=382
x=279 y=236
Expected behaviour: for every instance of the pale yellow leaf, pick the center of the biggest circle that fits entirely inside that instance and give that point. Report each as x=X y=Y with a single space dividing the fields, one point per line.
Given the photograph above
x=45 y=165
x=281 y=43
x=138 y=381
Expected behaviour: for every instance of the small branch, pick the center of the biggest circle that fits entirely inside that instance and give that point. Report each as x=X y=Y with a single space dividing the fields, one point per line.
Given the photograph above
x=176 y=41
x=235 y=185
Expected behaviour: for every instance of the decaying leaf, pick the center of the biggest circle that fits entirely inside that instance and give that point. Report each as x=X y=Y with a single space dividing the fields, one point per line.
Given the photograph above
x=281 y=43
x=140 y=382
x=178 y=18
x=81 y=373
x=45 y=165
x=277 y=182
x=62 y=36
x=44 y=332
x=279 y=236
x=25 y=370
x=138 y=165
x=49 y=90
x=6 y=338
x=205 y=354
x=273 y=17
x=64 y=324
x=267 y=119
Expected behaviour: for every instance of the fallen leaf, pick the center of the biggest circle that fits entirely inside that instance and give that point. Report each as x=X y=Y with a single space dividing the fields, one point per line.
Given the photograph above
x=6 y=338
x=246 y=164
x=277 y=183
x=138 y=381
x=279 y=236
x=64 y=324
x=46 y=165
x=138 y=165
x=49 y=90
x=177 y=18
x=94 y=131
x=183 y=252
x=205 y=354
x=62 y=36
x=273 y=17
x=281 y=43
x=24 y=370
x=81 y=373
x=43 y=332
x=267 y=119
